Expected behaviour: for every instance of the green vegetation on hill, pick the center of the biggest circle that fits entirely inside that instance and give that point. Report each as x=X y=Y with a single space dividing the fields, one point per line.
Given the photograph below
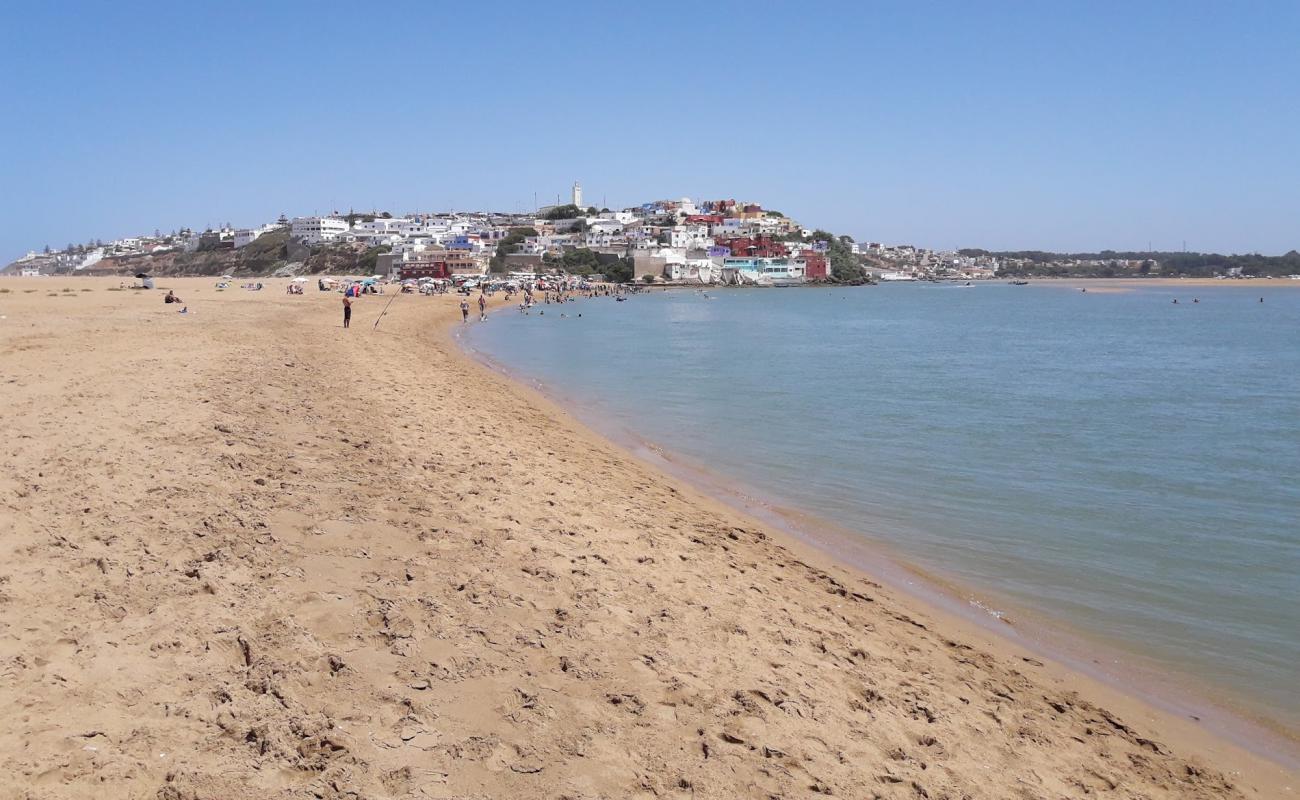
x=569 y=211
x=1197 y=265
x=845 y=266
x=370 y=257
x=514 y=237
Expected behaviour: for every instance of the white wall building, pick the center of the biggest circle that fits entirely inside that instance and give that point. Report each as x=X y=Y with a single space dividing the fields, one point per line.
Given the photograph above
x=315 y=230
x=245 y=236
x=577 y=194
x=602 y=225
x=91 y=258
x=692 y=270
x=690 y=236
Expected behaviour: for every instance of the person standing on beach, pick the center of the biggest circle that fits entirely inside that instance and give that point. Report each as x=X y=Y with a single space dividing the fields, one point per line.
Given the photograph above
x=347 y=311
x=482 y=308
x=464 y=309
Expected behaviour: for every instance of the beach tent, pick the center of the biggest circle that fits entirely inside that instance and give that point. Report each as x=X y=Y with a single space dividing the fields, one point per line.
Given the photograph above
x=146 y=282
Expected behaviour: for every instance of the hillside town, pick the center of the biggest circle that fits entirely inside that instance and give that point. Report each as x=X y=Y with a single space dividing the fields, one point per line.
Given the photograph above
x=678 y=241
x=672 y=242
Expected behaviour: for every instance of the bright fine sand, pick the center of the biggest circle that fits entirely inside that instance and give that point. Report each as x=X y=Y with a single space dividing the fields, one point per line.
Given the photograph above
x=245 y=553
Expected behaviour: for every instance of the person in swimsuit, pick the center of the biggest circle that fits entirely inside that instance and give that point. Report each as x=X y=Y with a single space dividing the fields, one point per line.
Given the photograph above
x=347 y=311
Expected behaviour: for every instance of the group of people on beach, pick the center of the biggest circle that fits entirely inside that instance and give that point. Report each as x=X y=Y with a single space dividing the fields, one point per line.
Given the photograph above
x=561 y=294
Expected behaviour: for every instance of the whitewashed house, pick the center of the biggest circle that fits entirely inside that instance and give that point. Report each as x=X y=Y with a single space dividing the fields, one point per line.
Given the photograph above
x=317 y=230
x=246 y=236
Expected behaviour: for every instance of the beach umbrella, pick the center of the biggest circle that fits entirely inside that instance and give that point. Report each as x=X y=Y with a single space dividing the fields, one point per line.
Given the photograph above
x=300 y=279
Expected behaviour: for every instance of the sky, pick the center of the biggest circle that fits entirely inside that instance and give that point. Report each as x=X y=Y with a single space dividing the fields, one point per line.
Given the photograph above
x=1070 y=126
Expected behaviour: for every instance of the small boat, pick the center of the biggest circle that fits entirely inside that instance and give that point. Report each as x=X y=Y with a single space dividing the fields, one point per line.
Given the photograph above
x=1019 y=283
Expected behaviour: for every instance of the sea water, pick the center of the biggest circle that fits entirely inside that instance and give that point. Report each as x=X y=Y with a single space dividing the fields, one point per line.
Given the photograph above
x=1114 y=460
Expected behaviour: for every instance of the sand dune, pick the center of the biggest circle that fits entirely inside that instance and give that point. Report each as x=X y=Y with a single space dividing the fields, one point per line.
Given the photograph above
x=246 y=553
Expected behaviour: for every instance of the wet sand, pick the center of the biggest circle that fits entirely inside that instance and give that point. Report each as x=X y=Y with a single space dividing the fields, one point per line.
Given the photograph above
x=248 y=553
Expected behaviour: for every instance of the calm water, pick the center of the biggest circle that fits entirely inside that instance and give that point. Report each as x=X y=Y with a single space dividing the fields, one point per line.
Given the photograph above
x=1112 y=460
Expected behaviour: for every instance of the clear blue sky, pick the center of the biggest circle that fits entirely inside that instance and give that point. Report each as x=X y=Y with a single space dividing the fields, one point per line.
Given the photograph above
x=1067 y=126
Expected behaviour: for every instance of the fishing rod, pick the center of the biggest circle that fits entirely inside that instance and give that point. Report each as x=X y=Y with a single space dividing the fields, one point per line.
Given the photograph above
x=385 y=311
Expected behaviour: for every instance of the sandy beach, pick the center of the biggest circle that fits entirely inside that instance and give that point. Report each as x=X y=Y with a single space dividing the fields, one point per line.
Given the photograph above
x=247 y=553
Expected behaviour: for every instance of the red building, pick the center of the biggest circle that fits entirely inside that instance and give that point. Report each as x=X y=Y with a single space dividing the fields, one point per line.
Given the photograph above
x=756 y=247
x=816 y=268
x=424 y=268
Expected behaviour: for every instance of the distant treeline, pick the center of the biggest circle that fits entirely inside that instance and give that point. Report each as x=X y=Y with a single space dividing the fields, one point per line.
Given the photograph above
x=1040 y=262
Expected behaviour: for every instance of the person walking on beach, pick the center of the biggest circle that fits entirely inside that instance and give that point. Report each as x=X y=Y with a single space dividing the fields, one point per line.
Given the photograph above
x=464 y=309
x=347 y=311
x=482 y=308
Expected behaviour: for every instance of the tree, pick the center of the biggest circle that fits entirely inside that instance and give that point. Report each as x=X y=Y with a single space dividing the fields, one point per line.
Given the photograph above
x=47 y=249
x=619 y=271
x=591 y=211
x=508 y=244
x=580 y=261
x=562 y=212
x=647 y=279
x=845 y=266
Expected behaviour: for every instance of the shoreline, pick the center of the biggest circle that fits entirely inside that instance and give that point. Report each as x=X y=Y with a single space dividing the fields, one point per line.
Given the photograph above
x=1189 y=698
x=251 y=554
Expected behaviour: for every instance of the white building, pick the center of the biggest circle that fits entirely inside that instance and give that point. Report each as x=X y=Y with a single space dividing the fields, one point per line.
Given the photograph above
x=245 y=236
x=577 y=194
x=603 y=225
x=315 y=230
x=91 y=258
x=696 y=236
x=692 y=270
x=380 y=225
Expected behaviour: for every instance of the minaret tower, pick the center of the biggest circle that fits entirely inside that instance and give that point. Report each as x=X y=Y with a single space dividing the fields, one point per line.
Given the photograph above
x=577 y=194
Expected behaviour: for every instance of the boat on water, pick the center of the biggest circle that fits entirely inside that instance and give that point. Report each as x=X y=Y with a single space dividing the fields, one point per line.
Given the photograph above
x=1019 y=283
